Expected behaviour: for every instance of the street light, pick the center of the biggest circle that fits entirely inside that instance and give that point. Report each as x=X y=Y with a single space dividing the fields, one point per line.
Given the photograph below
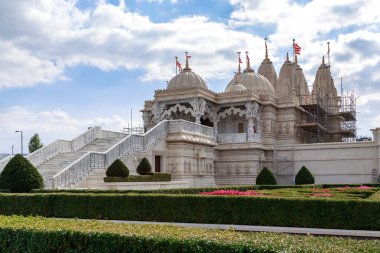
x=22 y=151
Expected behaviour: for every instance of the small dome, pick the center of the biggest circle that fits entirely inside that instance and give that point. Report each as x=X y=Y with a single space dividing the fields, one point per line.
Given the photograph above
x=186 y=79
x=236 y=87
x=253 y=82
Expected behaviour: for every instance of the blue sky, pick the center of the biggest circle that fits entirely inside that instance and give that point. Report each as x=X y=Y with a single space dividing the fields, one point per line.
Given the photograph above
x=67 y=65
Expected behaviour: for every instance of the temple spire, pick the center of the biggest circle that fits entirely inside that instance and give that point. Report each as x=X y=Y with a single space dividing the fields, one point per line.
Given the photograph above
x=266 y=48
x=323 y=60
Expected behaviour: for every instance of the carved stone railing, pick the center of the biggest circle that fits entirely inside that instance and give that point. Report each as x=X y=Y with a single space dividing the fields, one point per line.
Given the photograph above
x=78 y=170
x=86 y=138
x=190 y=127
x=238 y=138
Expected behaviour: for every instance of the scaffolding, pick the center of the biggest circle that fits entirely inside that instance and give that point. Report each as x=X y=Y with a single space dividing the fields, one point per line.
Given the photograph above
x=328 y=119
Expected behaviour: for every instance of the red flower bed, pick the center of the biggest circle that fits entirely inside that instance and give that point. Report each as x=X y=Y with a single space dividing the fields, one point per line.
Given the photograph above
x=233 y=192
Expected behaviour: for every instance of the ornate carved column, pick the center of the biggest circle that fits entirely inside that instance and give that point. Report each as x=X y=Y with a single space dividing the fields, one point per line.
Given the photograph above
x=199 y=108
x=251 y=113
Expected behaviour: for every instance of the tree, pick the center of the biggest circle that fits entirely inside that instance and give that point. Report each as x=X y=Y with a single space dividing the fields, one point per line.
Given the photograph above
x=35 y=143
x=266 y=177
x=144 y=167
x=117 y=169
x=304 y=176
x=19 y=175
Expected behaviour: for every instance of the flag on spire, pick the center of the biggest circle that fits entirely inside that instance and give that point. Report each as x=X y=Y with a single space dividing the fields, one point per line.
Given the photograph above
x=296 y=47
x=266 y=48
x=238 y=53
x=178 y=64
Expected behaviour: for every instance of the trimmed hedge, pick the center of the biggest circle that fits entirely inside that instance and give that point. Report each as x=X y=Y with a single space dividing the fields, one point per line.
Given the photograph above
x=266 y=177
x=36 y=234
x=19 y=175
x=288 y=212
x=117 y=169
x=144 y=167
x=304 y=176
x=155 y=177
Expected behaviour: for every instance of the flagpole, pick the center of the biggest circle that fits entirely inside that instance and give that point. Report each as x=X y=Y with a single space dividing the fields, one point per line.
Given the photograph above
x=328 y=51
x=176 y=67
x=294 y=52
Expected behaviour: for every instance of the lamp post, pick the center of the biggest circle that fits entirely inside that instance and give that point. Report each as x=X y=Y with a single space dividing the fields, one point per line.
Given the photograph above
x=22 y=151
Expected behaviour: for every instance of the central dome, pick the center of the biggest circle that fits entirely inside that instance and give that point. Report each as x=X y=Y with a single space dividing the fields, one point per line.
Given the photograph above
x=186 y=79
x=252 y=82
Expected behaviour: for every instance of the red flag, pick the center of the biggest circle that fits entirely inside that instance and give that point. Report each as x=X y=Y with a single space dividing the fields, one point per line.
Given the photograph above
x=297 y=49
x=179 y=65
x=240 y=60
x=188 y=56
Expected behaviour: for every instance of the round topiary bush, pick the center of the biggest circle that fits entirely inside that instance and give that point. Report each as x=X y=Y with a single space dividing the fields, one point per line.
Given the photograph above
x=144 y=167
x=19 y=175
x=117 y=169
x=266 y=177
x=304 y=176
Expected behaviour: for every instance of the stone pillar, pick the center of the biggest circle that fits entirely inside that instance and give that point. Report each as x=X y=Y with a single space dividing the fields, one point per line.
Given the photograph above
x=198 y=120
x=250 y=131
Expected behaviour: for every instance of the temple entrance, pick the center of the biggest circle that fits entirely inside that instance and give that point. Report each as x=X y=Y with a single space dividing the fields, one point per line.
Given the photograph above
x=157 y=163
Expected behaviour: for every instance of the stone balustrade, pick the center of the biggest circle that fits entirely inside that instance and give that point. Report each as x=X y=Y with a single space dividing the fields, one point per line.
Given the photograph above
x=238 y=138
x=79 y=169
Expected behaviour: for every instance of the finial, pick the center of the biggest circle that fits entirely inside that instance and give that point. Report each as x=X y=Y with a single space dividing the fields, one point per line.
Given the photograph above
x=287 y=56
x=248 y=62
x=236 y=80
x=238 y=53
x=187 y=60
x=323 y=59
x=295 y=59
x=266 y=48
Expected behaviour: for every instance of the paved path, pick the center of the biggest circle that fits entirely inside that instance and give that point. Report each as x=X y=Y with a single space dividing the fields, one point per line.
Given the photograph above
x=357 y=234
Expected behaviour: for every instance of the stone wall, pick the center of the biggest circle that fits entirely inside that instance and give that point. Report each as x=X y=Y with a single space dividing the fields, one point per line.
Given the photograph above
x=334 y=163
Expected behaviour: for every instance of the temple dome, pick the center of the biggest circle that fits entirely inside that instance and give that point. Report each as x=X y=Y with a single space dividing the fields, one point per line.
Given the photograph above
x=236 y=87
x=252 y=82
x=186 y=79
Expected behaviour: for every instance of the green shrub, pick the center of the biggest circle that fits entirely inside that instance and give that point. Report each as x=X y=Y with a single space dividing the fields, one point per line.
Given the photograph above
x=19 y=175
x=144 y=167
x=304 y=176
x=241 y=210
x=117 y=169
x=266 y=177
x=36 y=234
x=155 y=177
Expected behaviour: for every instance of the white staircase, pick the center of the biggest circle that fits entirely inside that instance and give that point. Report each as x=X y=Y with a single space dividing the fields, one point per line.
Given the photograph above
x=51 y=167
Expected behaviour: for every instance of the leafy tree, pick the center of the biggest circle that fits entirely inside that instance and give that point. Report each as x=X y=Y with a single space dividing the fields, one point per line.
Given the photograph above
x=144 y=167
x=304 y=176
x=35 y=143
x=266 y=177
x=117 y=169
x=19 y=175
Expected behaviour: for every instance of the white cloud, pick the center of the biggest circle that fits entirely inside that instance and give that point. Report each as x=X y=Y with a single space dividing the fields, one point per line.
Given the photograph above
x=49 y=125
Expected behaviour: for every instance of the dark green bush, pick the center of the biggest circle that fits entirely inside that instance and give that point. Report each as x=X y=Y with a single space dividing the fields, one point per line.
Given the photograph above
x=304 y=176
x=19 y=175
x=144 y=167
x=117 y=169
x=155 y=177
x=266 y=177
